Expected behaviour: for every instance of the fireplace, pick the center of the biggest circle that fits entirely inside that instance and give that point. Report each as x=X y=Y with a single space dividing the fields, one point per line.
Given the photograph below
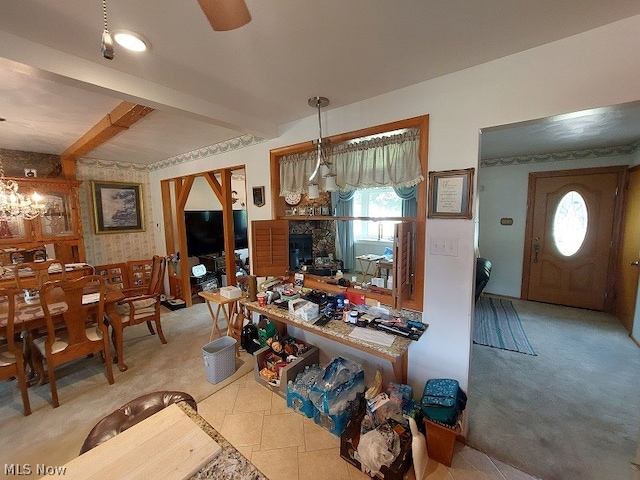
x=300 y=250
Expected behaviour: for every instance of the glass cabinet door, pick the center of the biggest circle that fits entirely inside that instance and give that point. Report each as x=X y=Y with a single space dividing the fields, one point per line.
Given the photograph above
x=14 y=229
x=57 y=221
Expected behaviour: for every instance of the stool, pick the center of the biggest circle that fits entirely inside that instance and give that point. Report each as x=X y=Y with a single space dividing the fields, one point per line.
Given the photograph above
x=440 y=441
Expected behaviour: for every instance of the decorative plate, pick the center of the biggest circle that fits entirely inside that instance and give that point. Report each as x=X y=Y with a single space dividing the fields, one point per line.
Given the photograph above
x=292 y=198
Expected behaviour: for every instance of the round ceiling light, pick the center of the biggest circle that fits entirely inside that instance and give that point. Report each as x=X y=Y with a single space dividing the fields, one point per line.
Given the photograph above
x=131 y=40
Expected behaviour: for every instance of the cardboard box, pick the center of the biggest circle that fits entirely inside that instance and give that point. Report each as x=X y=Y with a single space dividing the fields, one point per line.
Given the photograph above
x=311 y=356
x=230 y=291
x=349 y=445
x=304 y=309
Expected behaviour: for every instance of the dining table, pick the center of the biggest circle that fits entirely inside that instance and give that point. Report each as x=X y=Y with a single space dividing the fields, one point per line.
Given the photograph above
x=29 y=318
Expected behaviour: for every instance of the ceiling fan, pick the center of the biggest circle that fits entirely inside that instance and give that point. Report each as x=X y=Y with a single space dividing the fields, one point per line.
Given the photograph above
x=225 y=15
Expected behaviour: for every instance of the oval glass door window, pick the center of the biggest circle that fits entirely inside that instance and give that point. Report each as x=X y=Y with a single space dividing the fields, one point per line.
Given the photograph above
x=570 y=223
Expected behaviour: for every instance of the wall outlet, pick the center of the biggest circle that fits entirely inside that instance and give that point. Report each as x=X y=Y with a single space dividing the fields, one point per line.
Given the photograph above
x=443 y=246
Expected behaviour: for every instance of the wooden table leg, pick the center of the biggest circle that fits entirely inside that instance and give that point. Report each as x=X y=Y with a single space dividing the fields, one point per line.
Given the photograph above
x=235 y=327
x=400 y=368
x=214 y=318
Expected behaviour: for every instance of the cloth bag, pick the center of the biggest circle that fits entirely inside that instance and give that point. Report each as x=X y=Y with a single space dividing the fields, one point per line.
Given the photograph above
x=443 y=400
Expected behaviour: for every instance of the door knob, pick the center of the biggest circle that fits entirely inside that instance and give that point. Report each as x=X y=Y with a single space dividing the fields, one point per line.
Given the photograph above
x=536 y=249
x=634 y=264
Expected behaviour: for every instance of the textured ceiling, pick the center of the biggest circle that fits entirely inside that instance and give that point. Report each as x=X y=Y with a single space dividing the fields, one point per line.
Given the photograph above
x=209 y=86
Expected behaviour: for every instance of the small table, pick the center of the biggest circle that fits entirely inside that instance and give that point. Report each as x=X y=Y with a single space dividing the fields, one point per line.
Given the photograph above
x=386 y=265
x=366 y=263
x=229 y=308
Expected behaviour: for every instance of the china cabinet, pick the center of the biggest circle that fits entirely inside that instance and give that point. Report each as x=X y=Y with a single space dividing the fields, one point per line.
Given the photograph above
x=58 y=230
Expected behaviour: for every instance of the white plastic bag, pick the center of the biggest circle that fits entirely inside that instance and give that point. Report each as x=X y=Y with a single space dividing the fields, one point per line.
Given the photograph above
x=377 y=448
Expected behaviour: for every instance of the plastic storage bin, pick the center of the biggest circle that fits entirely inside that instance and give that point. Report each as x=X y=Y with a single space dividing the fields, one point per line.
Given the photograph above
x=219 y=359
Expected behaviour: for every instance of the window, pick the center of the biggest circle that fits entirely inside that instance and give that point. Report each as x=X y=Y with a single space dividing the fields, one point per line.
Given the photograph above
x=376 y=202
x=570 y=224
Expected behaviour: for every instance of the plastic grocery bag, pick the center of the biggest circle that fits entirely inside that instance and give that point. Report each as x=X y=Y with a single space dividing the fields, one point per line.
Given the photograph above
x=377 y=448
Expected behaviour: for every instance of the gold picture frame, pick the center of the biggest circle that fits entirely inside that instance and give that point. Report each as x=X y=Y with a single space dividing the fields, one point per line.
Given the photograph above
x=450 y=194
x=117 y=207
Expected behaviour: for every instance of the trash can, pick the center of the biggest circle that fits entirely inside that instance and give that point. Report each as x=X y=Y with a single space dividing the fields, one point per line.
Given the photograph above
x=219 y=359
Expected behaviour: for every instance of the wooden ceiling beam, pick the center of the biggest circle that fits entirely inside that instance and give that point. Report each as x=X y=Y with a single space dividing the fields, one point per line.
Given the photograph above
x=116 y=121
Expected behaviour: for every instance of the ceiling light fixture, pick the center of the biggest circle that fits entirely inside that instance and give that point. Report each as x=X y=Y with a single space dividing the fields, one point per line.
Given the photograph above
x=320 y=143
x=131 y=40
x=14 y=204
x=107 y=41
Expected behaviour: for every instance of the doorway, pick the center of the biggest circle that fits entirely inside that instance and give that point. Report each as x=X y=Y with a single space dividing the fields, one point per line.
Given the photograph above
x=628 y=267
x=571 y=239
x=507 y=240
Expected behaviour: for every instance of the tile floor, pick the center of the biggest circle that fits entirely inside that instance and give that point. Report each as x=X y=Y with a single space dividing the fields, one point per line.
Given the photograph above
x=285 y=445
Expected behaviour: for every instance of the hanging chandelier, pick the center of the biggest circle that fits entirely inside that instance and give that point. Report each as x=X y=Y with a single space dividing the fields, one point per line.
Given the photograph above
x=14 y=204
x=322 y=164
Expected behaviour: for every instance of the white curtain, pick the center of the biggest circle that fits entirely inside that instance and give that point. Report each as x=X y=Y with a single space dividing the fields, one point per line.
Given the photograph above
x=384 y=161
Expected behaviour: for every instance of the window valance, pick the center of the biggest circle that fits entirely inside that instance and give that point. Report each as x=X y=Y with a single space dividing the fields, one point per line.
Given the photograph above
x=391 y=160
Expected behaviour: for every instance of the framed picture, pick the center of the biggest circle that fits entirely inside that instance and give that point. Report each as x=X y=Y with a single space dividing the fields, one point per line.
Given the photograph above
x=302 y=210
x=450 y=194
x=326 y=211
x=318 y=211
x=258 y=196
x=117 y=207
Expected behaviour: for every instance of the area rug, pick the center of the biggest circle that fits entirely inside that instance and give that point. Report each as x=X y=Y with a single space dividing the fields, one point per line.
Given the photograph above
x=497 y=325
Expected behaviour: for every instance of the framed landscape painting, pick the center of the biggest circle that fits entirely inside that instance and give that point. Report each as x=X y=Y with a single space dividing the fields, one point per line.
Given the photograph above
x=117 y=207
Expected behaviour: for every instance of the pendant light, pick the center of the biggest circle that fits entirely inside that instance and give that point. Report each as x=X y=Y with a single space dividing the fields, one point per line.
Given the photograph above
x=320 y=143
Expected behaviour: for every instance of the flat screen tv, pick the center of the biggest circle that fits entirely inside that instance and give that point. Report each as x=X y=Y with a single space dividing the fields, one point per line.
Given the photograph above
x=205 y=231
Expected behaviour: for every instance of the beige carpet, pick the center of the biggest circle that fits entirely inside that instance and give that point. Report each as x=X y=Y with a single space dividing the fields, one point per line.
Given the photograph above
x=54 y=436
x=572 y=411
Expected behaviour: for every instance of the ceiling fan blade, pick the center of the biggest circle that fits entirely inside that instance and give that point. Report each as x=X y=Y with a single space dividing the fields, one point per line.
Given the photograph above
x=225 y=15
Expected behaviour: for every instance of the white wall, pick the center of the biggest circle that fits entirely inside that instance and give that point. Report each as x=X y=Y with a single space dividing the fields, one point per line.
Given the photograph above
x=201 y=197
x=594 y=69
x=502 y=192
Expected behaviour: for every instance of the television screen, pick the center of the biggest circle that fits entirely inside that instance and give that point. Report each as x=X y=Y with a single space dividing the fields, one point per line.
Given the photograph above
x=205 y=231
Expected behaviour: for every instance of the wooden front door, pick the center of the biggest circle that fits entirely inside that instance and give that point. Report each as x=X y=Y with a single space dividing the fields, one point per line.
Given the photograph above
x=570 y=237
x=628 y=268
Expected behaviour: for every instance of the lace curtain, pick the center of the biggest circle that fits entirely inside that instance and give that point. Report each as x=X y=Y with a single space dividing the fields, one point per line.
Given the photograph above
x=384 y=161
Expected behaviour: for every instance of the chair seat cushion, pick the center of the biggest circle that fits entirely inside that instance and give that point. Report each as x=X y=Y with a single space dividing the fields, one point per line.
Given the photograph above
x=146 y=305
x=7 y=358
x=58 y=345
x=93 y=333
x=131 y=413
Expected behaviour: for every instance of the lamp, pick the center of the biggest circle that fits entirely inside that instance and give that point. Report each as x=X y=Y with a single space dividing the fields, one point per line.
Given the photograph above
x=14 y=204
x=320 y=143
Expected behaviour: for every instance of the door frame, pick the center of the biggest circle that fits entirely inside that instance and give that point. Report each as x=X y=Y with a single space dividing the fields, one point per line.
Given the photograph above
x=621 y=171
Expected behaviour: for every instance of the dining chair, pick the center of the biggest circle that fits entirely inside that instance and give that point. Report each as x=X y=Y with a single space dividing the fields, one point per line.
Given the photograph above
x=11 y=360
x=32 y=275
x=138 y=307
x=78 y=306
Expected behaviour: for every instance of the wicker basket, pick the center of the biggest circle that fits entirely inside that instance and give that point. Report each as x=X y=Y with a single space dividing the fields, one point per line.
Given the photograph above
x=219 y=359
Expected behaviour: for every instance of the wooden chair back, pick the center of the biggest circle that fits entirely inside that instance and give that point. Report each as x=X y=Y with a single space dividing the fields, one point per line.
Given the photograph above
x=64 y=304
x=35 y=274
x=156 y=281
x=115 y=274
x=11 y=360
